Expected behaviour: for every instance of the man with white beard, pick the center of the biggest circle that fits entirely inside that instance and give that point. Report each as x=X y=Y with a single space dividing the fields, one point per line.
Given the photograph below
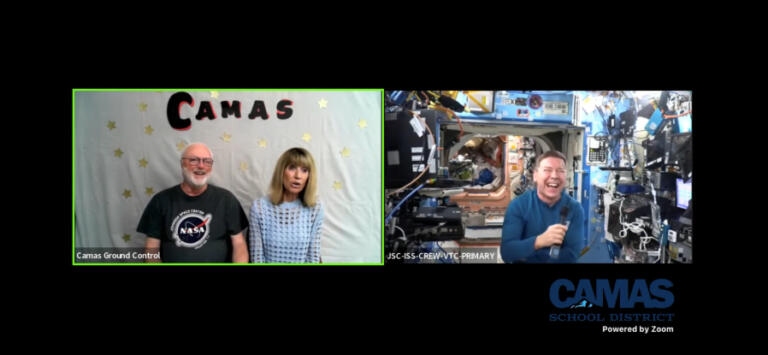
x=195 y=221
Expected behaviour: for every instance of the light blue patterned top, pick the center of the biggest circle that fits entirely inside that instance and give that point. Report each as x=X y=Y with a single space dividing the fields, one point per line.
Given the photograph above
x=286 y=233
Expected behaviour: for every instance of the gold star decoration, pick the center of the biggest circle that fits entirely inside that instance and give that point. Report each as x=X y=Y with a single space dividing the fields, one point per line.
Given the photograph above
x=362 y=123
x=148 y=130
x=263 y=143
x=181 y=145
x=345 y=152
x=126 y=237
x=142 y=107
x=143 y=163
x=215 y=94
x=226 y=137
x=337 y=185
x=118 y=153
x=243 y=166
x=111 y=125
x=306 y=137
x=323 y=103
x=126 y=193
x=149 y=191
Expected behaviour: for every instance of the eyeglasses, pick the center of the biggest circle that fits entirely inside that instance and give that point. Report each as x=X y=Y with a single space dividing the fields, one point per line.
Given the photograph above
x=196 y=161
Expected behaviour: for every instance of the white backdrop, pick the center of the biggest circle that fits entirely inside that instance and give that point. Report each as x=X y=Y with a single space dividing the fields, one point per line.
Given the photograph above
x=126 y=151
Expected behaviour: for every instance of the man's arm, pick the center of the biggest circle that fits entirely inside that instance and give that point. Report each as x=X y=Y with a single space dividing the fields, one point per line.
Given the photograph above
x=239 y=249
x=513 y=246
x=574 y=239
x=152 y=246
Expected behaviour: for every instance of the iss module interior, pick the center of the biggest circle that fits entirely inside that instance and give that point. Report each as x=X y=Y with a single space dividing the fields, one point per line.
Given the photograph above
x=455 y=160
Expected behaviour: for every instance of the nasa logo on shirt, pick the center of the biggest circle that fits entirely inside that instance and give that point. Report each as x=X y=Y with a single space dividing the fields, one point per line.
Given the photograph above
x=191 y=228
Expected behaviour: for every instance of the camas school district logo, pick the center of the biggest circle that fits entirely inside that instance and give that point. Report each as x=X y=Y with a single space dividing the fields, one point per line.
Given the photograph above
x=190 y=229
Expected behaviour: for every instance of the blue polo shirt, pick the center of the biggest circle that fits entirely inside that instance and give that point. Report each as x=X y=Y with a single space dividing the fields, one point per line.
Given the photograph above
x=527 y=217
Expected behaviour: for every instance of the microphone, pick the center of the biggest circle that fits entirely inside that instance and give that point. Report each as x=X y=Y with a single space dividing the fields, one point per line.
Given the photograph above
x=554 y=251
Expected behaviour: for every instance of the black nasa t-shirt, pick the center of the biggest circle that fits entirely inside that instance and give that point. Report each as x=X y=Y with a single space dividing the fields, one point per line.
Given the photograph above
x=193 y=229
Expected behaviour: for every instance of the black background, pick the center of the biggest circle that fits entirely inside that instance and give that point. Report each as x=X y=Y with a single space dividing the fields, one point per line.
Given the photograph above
x=399 y=301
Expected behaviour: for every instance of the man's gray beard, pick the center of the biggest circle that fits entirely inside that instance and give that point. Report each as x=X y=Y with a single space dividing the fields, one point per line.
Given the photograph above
x=189 y=179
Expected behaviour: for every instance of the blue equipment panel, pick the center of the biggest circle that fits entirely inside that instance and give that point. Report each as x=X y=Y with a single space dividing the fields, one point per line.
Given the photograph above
x=517 y=106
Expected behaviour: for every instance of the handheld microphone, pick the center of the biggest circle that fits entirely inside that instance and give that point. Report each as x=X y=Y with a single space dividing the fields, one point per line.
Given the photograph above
x=554 y=251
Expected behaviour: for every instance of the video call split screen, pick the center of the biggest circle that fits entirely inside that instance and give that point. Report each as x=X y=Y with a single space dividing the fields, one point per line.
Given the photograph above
x=381 y=177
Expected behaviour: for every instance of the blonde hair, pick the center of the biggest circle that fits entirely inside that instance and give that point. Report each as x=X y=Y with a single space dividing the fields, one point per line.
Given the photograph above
x=299 y=157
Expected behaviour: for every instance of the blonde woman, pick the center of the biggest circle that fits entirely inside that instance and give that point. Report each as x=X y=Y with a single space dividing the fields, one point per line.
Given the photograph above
x=285 y=226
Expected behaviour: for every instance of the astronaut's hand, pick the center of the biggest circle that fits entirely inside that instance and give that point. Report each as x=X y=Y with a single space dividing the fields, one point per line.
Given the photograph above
x=554 y=235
